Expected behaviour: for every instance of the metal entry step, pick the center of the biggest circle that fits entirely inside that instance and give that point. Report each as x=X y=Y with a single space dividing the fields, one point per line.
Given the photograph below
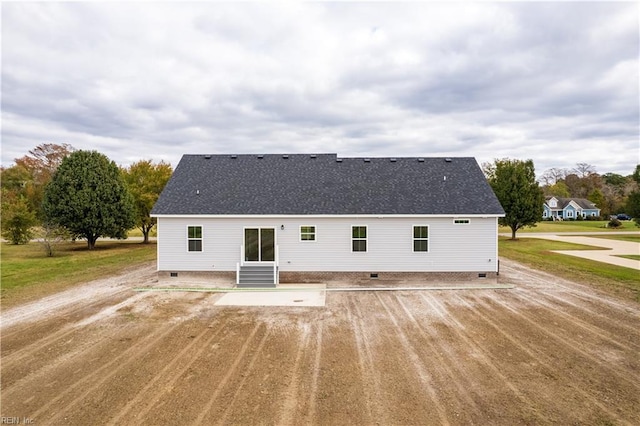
x=256 y=276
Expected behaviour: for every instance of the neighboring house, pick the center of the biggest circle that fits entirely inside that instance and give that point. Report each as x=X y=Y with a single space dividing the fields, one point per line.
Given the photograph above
x=264 y=219
x=558 y=208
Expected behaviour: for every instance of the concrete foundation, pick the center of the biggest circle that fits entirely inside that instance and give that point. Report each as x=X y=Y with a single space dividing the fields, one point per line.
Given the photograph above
x=221 y=279
x=387 y=278
x=227 y=279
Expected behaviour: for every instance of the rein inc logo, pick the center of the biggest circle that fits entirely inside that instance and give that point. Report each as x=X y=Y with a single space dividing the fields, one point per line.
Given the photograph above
x=16 y=421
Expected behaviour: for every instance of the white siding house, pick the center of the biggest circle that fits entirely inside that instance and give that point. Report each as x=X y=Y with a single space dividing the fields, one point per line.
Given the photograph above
x=323 y=227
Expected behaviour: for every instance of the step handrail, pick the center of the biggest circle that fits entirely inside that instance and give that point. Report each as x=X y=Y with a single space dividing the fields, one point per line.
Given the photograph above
x=275 y=264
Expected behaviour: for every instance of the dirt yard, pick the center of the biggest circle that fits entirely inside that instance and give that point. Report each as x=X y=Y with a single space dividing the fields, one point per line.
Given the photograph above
x=547 y=351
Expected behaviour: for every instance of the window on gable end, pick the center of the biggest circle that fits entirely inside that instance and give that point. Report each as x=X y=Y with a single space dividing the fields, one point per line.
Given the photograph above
x=421 y=238
x=358 y=238
x=307 y=233
x=194 y=238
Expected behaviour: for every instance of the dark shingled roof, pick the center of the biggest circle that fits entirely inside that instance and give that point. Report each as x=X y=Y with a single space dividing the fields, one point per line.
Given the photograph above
x=323 y=184
x=564 y=202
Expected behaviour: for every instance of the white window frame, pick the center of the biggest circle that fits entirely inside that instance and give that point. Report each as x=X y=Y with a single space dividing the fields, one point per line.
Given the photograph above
x=414 y=239
x=365 y=239
x=460 y=221
x=314 y=233
x=201 y=239
x=569 y=213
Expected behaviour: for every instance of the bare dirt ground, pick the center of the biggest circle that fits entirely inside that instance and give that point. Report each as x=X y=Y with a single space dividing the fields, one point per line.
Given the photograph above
x=547 y=351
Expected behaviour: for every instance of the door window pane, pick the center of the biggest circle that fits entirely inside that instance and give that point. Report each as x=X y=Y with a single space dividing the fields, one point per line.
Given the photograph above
x=267 y=244
x=251 y=252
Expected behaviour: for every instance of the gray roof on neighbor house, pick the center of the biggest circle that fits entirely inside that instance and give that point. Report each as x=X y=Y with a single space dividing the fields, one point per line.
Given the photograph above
x=323 y=184
x=564 y=202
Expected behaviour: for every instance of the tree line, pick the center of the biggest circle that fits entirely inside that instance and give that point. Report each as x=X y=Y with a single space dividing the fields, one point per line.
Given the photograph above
x=56 y=192
x=59 y=192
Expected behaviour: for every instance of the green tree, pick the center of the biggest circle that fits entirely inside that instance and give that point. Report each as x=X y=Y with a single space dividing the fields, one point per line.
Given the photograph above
x=17 y=218
x=614 y=179
x=597 y=198
x=514 y=183
x=633 y=202
x=633 y=207
x=146 y=181
x=15 y=179
x=88 y=196
x=558 y=189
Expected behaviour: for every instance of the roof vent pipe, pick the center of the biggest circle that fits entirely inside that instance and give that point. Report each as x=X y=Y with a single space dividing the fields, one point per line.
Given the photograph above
x=285 y=156
x=447 y=160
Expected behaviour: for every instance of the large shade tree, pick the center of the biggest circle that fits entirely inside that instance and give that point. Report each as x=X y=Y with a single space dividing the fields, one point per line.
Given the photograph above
x=514 y=183
x=146 y=181
x=88 y=196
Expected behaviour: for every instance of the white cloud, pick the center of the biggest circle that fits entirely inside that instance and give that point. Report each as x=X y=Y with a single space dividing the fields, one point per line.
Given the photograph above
x=554 y=82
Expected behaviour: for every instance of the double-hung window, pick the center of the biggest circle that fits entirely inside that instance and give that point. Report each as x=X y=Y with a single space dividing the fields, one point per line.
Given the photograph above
x=307 y=233
x=421 y=238
x=359 y=238
x=194 y=238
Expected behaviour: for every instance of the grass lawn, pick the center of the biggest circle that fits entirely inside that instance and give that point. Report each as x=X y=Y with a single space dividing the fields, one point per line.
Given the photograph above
x=631 y=238
x=630 y=256
x=573 y=226
x=136 y=232
x=27 y=273
x=623 y=282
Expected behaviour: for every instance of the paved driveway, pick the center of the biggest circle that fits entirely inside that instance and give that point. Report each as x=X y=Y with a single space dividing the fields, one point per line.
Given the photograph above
x=611 y=248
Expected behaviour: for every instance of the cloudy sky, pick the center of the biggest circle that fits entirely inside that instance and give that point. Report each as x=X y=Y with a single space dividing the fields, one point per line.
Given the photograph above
x=557 y=83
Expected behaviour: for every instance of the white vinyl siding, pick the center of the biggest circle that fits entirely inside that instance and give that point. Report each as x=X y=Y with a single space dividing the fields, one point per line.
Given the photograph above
x=452 y=248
